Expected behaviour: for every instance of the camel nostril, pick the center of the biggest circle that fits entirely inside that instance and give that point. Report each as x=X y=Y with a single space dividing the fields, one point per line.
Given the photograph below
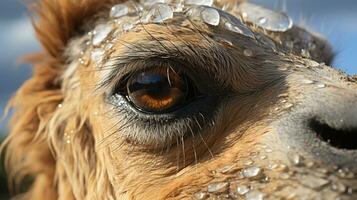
x=342 y=138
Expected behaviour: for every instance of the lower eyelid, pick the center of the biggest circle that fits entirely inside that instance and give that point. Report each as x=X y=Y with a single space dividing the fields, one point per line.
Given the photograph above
x=164 y=129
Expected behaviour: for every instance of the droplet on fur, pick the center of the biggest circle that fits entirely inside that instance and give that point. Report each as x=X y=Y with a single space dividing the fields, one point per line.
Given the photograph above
x=268 y=150
x=284 y=176
x=263 y=157
x=218 y=187
x=313 y=182
x=227 y=169
x=307 y=81
x=252 y=172
x=222 y=40
x=60 y=105
x=149 y=3
x=288 y=105
x=119 y=10
x=248 y=52
x=210 y=16
x=127 y=26
x=82 y=61
x=248 y=162
x=266 y=41
x=178 y=7
x=254 y=195
x=97 y=55
x=265 y=18
x=345 y=173
x=305 y=53
x=296 y=159
x=201 y=195
x=159 y=13
x=100 y=33
x=242 y=189
x=199 y=2
x=234 y=24
x=339 y=187
x=320 y=85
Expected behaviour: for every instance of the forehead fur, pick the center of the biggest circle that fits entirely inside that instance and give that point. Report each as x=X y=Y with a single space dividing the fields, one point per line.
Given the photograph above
x=57 y=21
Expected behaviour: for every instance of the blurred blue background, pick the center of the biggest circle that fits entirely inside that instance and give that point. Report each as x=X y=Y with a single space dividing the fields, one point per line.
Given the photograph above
x=337 y=20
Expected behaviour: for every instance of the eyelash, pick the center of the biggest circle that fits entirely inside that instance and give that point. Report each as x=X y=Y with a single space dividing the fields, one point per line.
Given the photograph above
x=155 y=130
x=162 y=130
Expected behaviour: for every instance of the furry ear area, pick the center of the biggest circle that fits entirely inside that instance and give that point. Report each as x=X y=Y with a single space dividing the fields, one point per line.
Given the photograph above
x=57 y=21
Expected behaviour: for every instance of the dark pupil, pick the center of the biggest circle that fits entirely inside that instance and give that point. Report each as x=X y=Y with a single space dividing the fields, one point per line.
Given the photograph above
x=156 y=90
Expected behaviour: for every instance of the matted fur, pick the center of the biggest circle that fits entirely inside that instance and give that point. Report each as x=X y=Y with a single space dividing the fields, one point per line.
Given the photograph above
x=28 y=152
x=37 y=126
x=36 y=139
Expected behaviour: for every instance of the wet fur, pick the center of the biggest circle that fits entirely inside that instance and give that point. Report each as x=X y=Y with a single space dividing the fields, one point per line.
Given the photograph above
x=35 y=144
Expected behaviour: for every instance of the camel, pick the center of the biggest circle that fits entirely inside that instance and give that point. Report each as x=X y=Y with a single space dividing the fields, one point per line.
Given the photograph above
x=169 y=99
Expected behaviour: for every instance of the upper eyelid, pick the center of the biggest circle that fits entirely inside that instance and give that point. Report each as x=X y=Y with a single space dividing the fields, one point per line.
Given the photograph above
x=117 y=66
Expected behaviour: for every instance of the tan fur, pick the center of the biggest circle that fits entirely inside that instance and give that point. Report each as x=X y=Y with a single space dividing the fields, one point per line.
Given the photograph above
x=69 y=151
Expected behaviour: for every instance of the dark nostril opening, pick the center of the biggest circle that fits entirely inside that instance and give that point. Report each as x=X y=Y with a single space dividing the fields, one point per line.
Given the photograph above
x=342 y=139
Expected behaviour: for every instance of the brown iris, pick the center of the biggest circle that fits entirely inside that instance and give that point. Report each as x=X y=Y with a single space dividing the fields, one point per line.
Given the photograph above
x=157 y=90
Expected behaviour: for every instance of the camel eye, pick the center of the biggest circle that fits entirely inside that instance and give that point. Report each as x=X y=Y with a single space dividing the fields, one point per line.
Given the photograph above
x=158 y=90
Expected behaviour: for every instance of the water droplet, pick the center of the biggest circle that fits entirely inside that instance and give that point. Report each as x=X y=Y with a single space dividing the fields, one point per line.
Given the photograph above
x=266 y=41
x=68 y=141
x=248 y=52
x=178 y=7
x=199 y=2
x=127 y=26
x=82 y=61
x=234 y=24
x=305 y=53
x=248 y=162
x=254 y=195
x=280 y=168
x=339 y=187
x=159 y=13
x=284 y=176
x=210 y=16
x=307 y=81
x=313 y=182
x=345 y=173
x=119 y=11
x=265 y=18
x=272 y=166
x=218 y=187
x=149 y=3
x=201 y=195
x=320 y=85
x=288 y=105
x=227 y=169
x=263 y=157
x=296 y=159
x=242 y=189
x=252 y=172
x=100 y=33
x=222 y=40
x=97 y=55
x=268 y=150
x=60 y=105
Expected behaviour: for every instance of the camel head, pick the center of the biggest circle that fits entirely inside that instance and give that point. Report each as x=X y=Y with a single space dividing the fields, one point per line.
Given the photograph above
x=191 y=99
